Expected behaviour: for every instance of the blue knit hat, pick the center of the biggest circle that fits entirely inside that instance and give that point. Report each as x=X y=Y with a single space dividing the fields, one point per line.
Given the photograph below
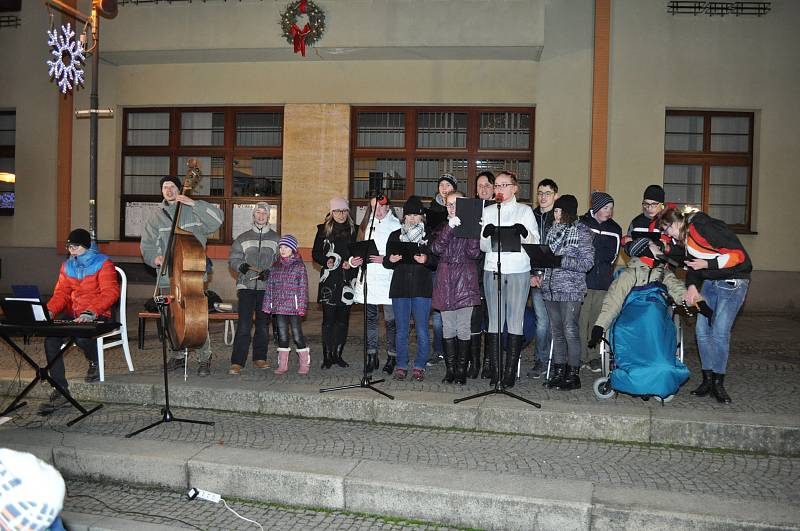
x=289 y=241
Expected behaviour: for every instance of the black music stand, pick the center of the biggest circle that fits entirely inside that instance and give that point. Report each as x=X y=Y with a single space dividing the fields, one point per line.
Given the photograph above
x=366 y=377
x=499 y=388
x=43 y=374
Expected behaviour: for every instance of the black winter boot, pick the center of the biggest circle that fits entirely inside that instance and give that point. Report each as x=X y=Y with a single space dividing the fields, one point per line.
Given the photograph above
x=326 y=357
x=571 y=380
x=372 y=361
x=391 y=363
x=491 y=353
x=474 y=356
x=462 y=360
x=486 y=370
x=705 y=386
x=556 y=376
x=718 y=388
x=450 y=346
x=336 y=356
x=512 y=360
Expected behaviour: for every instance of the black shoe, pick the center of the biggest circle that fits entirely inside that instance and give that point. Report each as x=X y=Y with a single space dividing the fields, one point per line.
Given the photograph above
x=435 y=359
x=512 y=360
x=204 y=369
x=572 y=379
x=491 y=352
x=450 y=345
x=486 y=369
x=337 y=356
x=462 y=357
x=372 y=361
x=327 y=357
x=718 y=388
x=391 y=363
x=556 y=376
x=705 y=386
x=92 y=374
x=175 y=364
x=54 y=402
x=474 y=356
x=537 y=370
x=594 y=365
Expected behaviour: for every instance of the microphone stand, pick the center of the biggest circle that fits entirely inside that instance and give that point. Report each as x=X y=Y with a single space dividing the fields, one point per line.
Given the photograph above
x=499 y=386
x=366 y=377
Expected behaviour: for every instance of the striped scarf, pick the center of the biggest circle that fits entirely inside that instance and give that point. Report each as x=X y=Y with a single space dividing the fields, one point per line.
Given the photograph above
x=412 y=233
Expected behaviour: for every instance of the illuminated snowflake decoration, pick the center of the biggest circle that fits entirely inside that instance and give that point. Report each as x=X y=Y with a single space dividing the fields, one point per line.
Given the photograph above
x=67 y=65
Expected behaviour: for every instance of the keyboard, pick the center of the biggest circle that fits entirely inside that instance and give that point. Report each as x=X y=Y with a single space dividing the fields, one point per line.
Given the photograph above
x=58 y=329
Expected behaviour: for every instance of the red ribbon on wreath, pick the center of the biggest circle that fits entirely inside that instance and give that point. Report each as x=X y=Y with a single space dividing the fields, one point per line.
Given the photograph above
x=299 y=35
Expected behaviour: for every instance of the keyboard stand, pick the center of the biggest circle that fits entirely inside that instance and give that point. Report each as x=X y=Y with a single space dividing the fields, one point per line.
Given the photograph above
x=43 y=375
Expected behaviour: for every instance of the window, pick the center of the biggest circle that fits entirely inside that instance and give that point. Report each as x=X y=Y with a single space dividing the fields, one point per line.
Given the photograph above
x=240 y=151
x=8 y=129
x=708 y=163
x=403 y=150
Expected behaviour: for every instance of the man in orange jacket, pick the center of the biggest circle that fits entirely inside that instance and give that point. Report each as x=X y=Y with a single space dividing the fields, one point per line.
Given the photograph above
x=87 y=287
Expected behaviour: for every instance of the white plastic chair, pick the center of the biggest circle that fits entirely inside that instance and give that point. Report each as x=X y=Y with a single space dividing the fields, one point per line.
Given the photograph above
x=118 y=336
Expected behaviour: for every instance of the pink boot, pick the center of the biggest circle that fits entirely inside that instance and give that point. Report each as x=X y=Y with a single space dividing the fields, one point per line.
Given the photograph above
x=283 y=360
x=305 y=360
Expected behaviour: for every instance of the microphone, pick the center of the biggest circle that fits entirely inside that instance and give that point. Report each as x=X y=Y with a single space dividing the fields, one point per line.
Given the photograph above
x=499 y=198
x=381 y=199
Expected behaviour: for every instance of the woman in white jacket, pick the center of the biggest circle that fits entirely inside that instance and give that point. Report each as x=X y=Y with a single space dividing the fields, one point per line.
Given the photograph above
x=515 y=269
x=379 y=279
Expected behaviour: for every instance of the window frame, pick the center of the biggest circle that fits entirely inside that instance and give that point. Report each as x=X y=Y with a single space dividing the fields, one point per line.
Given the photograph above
x=228 y=151
x=410 y=152
x=707 y=158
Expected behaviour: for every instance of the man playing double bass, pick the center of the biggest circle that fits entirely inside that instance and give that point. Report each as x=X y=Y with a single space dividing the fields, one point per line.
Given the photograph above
x=198 y=217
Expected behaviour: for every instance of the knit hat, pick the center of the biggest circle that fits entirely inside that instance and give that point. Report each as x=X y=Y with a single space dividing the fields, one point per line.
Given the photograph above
x=639 y=247
x=80 y=237
x=413 y=206
x=289 y=241
x=338 y=203
x=599 y=200
x=567 y=203
x=33 y=491
x=170 y=178
x=654 y=193
x=262 y=206
x=449 y=177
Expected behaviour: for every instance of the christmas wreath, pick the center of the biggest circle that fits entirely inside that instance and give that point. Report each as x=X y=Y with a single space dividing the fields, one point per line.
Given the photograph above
x=303 y=24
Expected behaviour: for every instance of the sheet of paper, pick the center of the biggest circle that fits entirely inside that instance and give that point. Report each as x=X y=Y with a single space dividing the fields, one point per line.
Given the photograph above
x=38 y=312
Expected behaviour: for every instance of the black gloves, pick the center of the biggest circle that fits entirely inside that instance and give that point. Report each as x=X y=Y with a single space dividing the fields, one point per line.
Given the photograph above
x=705 y=310
x=521 y=230
x=263 y=275
x=244 y=268
x=489 y=231
x=597 y=335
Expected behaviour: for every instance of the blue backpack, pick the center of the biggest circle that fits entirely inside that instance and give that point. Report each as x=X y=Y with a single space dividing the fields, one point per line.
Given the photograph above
x=643 y=341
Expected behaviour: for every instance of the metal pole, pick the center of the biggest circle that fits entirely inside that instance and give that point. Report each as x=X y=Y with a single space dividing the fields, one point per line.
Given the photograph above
x=93 y=103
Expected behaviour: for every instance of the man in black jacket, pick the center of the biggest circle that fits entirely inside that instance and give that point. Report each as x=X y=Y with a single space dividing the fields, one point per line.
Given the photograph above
x=607 y=236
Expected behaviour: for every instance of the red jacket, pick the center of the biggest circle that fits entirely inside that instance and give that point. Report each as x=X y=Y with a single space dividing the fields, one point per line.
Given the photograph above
x=90 y=283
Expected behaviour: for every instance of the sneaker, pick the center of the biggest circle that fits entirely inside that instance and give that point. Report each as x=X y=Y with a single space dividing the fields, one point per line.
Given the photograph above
x=437 y=357
x=418 y=375
x=204 y=369
x=399 y=374
x=53 y=403
x=594 y=365
x=262 y=364
x=235 y=370
x=175 y=364
x=92 y=374
x=537 y=370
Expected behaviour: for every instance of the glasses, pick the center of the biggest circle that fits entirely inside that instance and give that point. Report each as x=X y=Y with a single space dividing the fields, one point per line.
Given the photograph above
x=503 y=185
x=647 y=205
x=340 y=211
x=72 y=246
x=544 y=194
x=451 y=205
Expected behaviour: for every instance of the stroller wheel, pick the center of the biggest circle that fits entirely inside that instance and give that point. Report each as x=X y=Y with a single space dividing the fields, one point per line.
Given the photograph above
x=668 y=399
x=602 y=389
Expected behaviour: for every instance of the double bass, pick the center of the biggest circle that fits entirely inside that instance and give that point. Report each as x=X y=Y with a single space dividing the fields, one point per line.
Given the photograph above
x=185 y=263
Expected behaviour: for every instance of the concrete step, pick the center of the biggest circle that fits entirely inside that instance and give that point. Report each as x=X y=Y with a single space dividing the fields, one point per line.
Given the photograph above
x=609 y=486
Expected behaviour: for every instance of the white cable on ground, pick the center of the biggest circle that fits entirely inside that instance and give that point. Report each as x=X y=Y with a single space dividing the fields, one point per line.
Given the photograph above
x=239 y=515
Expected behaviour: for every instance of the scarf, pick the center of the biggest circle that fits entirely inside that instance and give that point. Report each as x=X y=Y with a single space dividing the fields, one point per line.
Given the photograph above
x=561 y=235
x=412 y=233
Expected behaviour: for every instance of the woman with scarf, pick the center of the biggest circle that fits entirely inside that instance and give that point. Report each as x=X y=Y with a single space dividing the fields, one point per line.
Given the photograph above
x=411 y=289
x=563 y=289
x=86 y=289
x=332 y=251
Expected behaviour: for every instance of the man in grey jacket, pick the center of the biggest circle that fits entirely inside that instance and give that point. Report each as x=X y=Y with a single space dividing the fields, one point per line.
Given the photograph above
x=251 y=256
x=198 y=217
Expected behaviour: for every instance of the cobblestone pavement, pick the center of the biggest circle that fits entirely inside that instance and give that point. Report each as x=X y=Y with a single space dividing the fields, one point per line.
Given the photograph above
x=728 y=474
x=763 y=373
x=175 y=510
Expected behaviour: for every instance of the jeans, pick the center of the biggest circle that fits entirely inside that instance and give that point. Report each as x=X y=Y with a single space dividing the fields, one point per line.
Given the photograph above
x=295 y=322
x=52 y=346
x=372 y=328
x=436 y=319
x=725 y=297
x=250 y=302
x=542 y=326
x=335 y=321
x=516 y=287
x=421 y=308
x=564 y=317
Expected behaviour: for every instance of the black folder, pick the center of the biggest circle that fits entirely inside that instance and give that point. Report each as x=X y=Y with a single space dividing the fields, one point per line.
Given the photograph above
x=407 y=249
x=364 y=249
x=508 y=238
x=540 y=255
x=470 y=212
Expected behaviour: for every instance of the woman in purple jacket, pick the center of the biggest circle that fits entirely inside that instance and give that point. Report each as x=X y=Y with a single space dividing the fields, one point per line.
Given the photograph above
x=286 y=298
x=456 y=292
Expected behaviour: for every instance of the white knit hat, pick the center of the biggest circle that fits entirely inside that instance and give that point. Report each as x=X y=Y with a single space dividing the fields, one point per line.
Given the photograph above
x=31 y=491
